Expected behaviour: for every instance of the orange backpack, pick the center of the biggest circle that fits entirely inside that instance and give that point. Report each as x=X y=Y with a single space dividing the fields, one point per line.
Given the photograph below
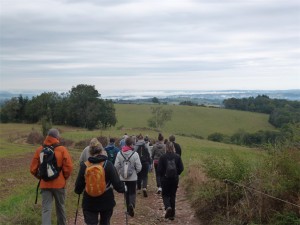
x=95 y=184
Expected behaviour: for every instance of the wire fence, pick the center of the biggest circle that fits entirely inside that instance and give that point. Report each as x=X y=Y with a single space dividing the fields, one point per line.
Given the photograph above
x=260 y=192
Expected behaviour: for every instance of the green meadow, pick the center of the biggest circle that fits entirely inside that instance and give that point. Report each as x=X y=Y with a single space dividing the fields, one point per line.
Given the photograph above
x=18 y=186
x=193 y=120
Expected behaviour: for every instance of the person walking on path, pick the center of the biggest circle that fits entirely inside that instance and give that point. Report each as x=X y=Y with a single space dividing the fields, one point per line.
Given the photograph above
x=122 y=141
x=170 y=166
x=85 y=154
x=111 y=150
x=130 y=181
x=141 y=148
x=103 y=204
x=159 y=148
x=53 y=188
x=176 y=145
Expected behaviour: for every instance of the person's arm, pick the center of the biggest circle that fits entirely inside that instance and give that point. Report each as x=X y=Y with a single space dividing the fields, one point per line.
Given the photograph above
x=138 y=164
x=80 y=181
x=161 y=166
x=117 y=161
x=180 y=167
x=179 y=149
x=67 y=164
x=35 y=162
x=114 y=178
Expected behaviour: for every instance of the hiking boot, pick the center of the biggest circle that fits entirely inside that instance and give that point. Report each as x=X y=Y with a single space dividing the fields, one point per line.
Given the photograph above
x=168 y=213
x=145 y=192
x=158 y=191
x=131 y=210
x=171 y=218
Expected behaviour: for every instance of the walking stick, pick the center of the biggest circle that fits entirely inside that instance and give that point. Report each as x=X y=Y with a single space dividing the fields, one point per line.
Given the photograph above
x=77 y=209
x=126 y=213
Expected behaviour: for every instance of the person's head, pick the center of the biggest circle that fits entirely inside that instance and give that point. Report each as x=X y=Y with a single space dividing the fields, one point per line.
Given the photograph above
x=140 y=137
x=53 y=133
x=165 y=141
x=111 y=140
x=94 y=142
x=160 y=137
x=172 y=138
x=129 y=141
x=125 y=136
x=170 y=147
x=96 y=150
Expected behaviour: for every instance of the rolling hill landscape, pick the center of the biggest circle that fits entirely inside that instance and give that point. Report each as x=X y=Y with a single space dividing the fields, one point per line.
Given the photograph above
x=207 y=164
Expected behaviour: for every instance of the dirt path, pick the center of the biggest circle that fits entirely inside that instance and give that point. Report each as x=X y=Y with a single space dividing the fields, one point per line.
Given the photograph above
x=150 y=210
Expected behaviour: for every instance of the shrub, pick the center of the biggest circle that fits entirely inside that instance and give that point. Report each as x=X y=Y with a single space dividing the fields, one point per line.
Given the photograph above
x=217 y=137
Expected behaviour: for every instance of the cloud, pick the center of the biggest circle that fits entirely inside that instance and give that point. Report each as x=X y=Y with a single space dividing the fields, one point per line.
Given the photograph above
x=159 y=41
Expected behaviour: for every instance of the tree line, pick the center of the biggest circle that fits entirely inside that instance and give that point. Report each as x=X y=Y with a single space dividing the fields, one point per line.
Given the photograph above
x=82 y=106
x=281 y=111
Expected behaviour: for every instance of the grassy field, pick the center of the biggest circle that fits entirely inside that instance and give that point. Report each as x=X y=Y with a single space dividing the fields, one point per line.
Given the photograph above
x=192 y=120
x=18 y=186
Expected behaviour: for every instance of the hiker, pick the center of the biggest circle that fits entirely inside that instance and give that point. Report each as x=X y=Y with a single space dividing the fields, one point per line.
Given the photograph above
x=130 y=158
x=111 y=150
x=141 y=148
x=149 y=147
x=159 y=148
x=85 y=154
x=53 y=188
x=122 y=141
x=176 y=145
x=170 y=166
x=103 y=204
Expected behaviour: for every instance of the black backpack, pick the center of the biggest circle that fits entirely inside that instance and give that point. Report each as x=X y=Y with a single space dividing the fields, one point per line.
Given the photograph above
x=143 y=153
x=48 y=169
x=171 y=169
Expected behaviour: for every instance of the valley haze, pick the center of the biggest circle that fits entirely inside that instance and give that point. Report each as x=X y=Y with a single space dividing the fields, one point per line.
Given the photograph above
x=214 y=97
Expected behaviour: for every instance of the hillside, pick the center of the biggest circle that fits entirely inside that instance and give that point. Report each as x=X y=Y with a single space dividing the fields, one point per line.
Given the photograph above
x=192 y=120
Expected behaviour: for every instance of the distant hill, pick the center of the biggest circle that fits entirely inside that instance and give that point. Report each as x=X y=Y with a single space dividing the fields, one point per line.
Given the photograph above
x=214 y=98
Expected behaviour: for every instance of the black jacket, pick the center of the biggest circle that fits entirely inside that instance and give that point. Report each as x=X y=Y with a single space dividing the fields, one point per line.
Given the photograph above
x=177 y=148
x=106 y=200
x=162 y=164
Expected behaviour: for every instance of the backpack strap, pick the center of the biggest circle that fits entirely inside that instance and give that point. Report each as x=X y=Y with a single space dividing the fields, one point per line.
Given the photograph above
x=131 y=155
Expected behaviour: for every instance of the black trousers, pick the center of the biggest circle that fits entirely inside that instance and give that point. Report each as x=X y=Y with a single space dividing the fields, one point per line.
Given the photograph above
x=143 y=176
x=92 y=218
x=130 y=195
x=169 y=189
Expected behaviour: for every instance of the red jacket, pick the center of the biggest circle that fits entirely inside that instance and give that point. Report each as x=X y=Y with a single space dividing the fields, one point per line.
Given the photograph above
x=63 y=159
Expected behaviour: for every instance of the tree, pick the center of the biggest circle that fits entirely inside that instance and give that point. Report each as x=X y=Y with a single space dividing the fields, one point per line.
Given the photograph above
x=86 y=109
x=80 y=100
x=42 y=106
x=155 y=100
x=159 y=116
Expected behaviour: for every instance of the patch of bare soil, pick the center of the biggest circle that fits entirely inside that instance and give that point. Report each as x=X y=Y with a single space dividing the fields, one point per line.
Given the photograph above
x=150 y=210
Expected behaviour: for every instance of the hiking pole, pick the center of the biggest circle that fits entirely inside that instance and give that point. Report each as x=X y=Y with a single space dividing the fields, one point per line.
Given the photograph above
x=126 y=213
x=77 y=209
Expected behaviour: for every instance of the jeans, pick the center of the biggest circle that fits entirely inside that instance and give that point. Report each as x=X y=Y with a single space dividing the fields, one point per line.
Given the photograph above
x=59 y=194
x=92 y=218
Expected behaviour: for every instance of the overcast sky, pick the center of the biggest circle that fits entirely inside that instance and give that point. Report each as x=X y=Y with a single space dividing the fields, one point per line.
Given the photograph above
x=164 y=44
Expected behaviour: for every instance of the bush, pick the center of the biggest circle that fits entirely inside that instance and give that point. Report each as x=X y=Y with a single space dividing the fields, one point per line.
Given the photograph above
x=217 y=137
x=35 y=137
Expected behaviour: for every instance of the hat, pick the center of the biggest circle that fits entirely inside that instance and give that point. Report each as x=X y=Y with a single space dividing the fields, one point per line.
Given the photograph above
x=94 y=142
x=53 y=133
